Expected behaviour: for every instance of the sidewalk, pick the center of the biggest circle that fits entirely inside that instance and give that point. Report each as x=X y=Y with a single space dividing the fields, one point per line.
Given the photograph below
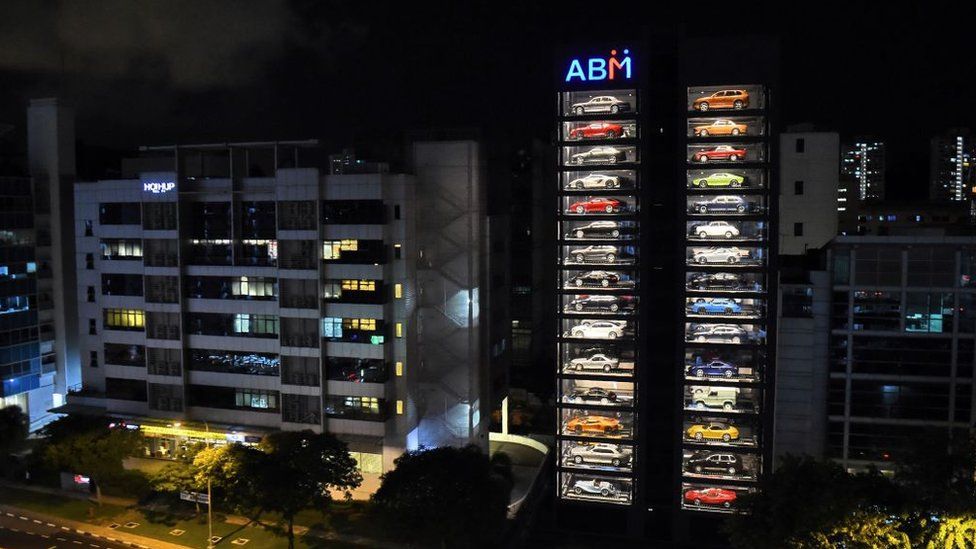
x=84 y=528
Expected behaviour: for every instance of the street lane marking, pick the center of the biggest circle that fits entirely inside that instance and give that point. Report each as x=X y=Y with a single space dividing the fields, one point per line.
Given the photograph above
x=22 y=518
x=66 y=528
x=52 y=525
x=45 y=536
x=36 y=521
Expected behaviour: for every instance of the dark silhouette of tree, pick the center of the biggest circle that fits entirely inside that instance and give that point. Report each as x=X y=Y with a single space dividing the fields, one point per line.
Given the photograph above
x=14 y=425
x=447 y=497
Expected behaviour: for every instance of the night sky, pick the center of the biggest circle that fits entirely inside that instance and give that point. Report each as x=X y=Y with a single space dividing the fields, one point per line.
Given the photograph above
x=151 y=72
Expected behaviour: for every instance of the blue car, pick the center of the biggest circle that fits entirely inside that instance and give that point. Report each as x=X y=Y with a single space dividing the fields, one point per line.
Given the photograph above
x=717 y=306
x=715 y=368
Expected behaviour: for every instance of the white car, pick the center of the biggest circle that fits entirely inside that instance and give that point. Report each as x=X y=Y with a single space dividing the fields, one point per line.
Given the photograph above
x=704 y=256
x=595 y=181
x=604 y=488
x=716 y=229
x=599 y=329
x=596 y=362
x=601 y=103
x=602 y=453
x=718 y=333
x=594 y=254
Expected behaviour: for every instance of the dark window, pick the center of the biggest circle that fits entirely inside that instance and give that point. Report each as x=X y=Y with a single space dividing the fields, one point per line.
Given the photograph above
x=91 y=294
x=92 y=327
x=119 y=213
x=798 y=229
x=88 y=228
x=125 y=389
x=346 y=212
x=362 y=370
x=122 y=284
x=397 y=251
x=89 y=261
x=798 y=187
x=800 y=144
x=396 y=211
x=252 y=400
x=93 y=359
x=208 y=220
x=125 y=355
x=159 y=216
x=258 y=220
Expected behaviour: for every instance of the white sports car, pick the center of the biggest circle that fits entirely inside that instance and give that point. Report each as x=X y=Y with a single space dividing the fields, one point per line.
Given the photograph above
x=704 y=256
x=595 y=181
x=596 y=362
x=599 y=329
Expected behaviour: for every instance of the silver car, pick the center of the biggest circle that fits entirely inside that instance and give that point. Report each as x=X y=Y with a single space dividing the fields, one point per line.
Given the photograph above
x=603 y=454
x=601 y=103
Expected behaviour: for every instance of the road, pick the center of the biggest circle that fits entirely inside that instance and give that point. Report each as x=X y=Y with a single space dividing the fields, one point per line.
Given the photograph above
x=23 y=531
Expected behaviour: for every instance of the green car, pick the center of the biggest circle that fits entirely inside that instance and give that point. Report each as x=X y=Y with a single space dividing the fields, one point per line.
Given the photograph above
x=720 y=180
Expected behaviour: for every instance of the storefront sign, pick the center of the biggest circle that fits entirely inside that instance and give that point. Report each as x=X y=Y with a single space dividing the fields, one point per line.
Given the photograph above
x=158 y=187
x=195 y=496
x=594 y=69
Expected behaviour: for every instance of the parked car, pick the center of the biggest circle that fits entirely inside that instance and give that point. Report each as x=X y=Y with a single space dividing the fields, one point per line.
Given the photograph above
x=593 y=424
x=601 y=453
x=599 y=329
x=595 y=181
x=719 y=152
x=720 y=127
x=598 y=361
x=715 y=430
x=599 y=155
x=722 y=99
x=611 y=303
x=715 y=306
x=592 y=394
x=717 y=281
x=604 y=488
x=715 y=229
x=724 y=204
x=720 y=179
x=594 y=254
x=604 y=229
x=726 y=398
x=597 y=204
x=604 y=279
x=714 y=462
x=606 y=130
x=599 y=104
x=715 y=368
x=710 y=496
x=719 y=333
x=705 y=256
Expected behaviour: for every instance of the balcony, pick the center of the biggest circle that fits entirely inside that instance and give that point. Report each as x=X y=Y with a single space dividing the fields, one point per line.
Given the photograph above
x=161 y=260
x=165 y=368
x=300 y=340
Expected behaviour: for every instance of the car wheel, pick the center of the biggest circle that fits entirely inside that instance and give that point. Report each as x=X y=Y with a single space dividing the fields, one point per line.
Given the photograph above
x=726 y=438
x=615 y=462
x=728 y=310
x=732 y=471
x=579 y=367
x=736 y=340
x=702 y=235
x=698 y=469
x=579 y=258
x=728 y=234
x=612 y=335
x=700 y=405
x=733 y=157
x=697 y=502
x=605 y=283
x=735 y=184
x=578 y=459
x=735 y=131
x=580 y=234
x=604 y=401
x=579 y=185
x=612 y=160
x=577 y=490
x=578 y=429
x=702 y=158
x=699 y=436
x=728 y=407
x=608 y=430
x=703 y=209
x=737 y=105
x=611 y=183
x=614 y=109
x=579 y=306
x=699 y=311
x=609 y=209
x=611 y=134
x=606 y=368
x=614 y=307
x=702 y=183
x=702 y=133
x=700 y=339
x=728 y=374
x=702 y=260
x=699 y=373
x=611 y=258
x=732 y=259
x=726 y=505
x=580 y=209
x=578 y=160
x=604 y=492
x=740 y=208
x=703 y=106
x=578 y=110
x=615 y=233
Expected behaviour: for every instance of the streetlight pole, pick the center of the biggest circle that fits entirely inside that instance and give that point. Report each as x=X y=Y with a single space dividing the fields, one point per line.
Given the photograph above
x=210 y=544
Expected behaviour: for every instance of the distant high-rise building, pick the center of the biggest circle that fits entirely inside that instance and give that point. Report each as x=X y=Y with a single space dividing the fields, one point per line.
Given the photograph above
x=862 y=172
x=950 y=166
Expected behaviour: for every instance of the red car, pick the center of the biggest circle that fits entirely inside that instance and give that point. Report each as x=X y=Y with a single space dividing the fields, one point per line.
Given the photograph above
x=711 y=496
x=721 y=152
x=595 y=205
x=597 y=129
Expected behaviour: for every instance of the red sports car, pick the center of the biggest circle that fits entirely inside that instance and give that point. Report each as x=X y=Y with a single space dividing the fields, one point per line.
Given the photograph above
x=595 y=205
x=711 y=496
x=721 y=152
x=597 y=129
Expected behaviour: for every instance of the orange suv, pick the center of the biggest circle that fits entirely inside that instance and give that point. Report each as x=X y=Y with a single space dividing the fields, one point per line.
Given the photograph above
x=598 y=424
x=723 y=99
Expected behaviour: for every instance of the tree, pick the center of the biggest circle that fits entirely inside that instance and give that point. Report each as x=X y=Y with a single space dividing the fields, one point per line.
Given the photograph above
x=299 y=470
x=13 y=429
x=447 y=496
x=180 y=475
x=938 y=472
x=233 y=472
x=94 y=449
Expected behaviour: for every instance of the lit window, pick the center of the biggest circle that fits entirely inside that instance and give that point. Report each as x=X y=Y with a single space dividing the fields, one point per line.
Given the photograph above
x=399 y=368
x=124 y=319
x=399 y=329
x=331 y=327
x=398 y=291
x=399 y=407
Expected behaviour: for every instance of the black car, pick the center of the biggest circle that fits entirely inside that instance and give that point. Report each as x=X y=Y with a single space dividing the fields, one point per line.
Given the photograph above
x=600 y=229
x=595 y=278
x=609 y=303
x=715 y=462
x=609 y=350
x=593 y=394
x=717 y=281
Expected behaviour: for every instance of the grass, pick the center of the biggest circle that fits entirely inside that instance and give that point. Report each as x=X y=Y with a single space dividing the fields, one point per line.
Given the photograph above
x=158 y=524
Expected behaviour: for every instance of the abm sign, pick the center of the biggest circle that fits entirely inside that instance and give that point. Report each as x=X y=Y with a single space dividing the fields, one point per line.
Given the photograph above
x=595 y=69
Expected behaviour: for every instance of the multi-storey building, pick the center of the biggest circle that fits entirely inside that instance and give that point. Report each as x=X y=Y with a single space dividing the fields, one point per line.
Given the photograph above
x=862 y=172
x=901 y=343
x=808 y=172
x=951 y=175
x=214 y=297
x=38 y=354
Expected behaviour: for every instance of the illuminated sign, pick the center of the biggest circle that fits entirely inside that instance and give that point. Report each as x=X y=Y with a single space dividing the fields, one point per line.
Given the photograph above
x=594 y=69
x=157 y=187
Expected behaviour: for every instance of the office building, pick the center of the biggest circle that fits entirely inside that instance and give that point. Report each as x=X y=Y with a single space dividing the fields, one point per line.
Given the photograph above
x=862 y=172
x=951 y=176
x=901 y=344
x=243 y=291
x=809 y=188
x=912 y=218
x=38 y=341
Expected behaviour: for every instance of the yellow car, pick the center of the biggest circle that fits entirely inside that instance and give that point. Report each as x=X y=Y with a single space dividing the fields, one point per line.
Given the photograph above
x=713 y=431
x=721 y=127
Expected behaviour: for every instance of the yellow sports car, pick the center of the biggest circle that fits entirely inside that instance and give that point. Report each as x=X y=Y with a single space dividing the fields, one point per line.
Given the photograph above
x=721 y=127
x=713 y=431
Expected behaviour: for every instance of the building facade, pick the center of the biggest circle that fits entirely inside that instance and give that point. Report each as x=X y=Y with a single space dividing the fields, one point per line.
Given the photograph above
x=809 y=188
x=951 y=175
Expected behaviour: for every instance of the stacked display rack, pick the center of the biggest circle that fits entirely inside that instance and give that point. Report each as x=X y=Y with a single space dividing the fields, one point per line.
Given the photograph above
x=599 y=178
x=725 y=356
